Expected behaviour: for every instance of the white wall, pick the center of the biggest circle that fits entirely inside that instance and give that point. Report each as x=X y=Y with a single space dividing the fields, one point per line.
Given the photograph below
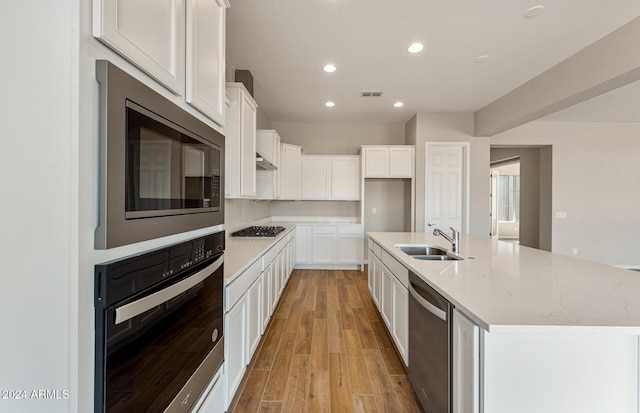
x=596 y=176
x=38 y=212
x=454 y=127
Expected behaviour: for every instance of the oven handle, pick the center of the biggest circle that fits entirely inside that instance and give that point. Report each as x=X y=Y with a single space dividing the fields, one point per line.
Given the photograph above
x=135 y=308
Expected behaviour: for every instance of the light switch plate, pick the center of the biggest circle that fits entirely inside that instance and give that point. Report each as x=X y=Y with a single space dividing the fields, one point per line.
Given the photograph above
x=561 y=214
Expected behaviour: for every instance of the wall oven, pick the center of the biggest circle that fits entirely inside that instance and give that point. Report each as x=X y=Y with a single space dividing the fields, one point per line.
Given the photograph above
x=159 y=327
x=161 y=169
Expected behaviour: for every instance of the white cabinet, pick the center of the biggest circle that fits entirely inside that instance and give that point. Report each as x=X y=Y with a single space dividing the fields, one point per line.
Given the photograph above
x=331 y=177
x=316 y=177
x=205 y=61
x=466 y=364
x=345 y=178
x=214 y=400
x=324 y=249
x=291 y=171
x=349 y=244
x=268 y=182
x=400 y=321
x=267 y=304
x=149 y=33
x=395 y=161
x=304 y=244
x=388 y=283
x=240 y=144
x=254 y=317
x=235 y=346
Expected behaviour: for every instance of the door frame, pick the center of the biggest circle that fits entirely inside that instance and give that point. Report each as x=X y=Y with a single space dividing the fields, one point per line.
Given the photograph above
x=466 y=177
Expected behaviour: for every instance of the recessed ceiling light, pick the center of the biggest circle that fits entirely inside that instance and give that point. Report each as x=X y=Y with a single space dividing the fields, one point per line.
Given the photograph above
x=415 y=48
x=329 y=104
x=533 y=12
x=482 y=59
x=329 y=68
x=398 y=104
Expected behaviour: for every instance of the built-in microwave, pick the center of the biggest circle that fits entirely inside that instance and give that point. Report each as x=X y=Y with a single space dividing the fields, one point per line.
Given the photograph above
x=161 y=169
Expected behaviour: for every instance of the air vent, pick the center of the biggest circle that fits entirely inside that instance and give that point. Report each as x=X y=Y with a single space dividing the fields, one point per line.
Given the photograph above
x=371 y=93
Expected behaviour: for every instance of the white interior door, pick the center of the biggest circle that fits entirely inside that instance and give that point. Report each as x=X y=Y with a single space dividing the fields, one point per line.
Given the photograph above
x=444 y=186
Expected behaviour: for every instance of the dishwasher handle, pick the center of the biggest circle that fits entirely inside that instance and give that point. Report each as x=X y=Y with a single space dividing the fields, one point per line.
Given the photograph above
x=441 y=314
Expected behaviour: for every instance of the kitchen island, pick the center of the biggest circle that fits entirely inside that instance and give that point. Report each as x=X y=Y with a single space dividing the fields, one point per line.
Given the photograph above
x=549 y=333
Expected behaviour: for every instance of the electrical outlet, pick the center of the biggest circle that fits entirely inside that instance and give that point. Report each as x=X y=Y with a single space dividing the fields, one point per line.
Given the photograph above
x=575 y=251
x=373 y=211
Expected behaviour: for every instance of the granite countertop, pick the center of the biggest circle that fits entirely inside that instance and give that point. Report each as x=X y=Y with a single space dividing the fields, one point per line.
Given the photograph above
x=508 y=288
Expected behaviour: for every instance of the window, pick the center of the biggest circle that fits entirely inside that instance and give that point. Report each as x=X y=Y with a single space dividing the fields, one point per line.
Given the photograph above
x=509 y=198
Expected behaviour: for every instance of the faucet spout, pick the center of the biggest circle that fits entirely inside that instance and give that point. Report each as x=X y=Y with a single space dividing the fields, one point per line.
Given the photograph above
x=453 y=239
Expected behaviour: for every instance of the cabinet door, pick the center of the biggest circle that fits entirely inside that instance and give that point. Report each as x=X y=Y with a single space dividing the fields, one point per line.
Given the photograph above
x=400 y=322
x=206 y=57
x=248 y=147
x=324 y=244
x=401 y=162
x=303 y=247
x=275 y=284
x=268 y=182
x=291 y=174
x=370 y=271
x=254 y=317
x=376 y=161
x=235 y=351
x=377 y=282
x=266 y=296
x=283 y=270
x=349 y=248
x=466 y=367
x=231 y=149
x=386 y=296
x=148 y=33
x=345 y=178
x=316 y=177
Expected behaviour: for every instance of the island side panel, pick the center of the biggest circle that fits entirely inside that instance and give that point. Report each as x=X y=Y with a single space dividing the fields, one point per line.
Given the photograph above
x=532 y=373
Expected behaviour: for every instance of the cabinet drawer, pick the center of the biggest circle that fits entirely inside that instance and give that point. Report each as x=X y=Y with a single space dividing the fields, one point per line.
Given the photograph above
x=269 y=256
x=240 y=285
x=377 y=250
x=282 y=243
x=398 y=270
x=324 y=229
x=350 y=229
x=370 y=244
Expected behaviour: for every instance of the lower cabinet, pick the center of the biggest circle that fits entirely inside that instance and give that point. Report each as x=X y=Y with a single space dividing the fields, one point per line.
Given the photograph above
x=466 y=364
x=391 y=295
x=250 y=300
x=329 y=246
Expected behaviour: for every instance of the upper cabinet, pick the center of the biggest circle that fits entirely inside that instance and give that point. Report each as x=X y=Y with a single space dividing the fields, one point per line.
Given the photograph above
x=240 y=143
x=291 y=171
x=268 y=181
x=206 y=57
x=152 y=35
x=393 y=161
x=335 y=177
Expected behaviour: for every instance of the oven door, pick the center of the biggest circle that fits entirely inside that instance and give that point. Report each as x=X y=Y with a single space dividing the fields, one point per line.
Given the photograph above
x=155 y=342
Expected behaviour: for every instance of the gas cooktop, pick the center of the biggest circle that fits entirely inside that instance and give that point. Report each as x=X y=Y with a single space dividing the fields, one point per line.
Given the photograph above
x=261 y=231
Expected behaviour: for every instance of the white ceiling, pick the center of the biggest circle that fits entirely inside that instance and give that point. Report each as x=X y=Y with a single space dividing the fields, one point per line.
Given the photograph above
x=285 y=44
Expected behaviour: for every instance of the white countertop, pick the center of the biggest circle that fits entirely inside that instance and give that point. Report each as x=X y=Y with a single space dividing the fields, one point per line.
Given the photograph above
x=508 y=288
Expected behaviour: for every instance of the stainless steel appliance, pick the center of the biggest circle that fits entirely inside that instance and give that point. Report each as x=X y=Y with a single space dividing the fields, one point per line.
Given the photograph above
x=159 y=327
x=258 y=231
x=161 y=169
x=429 y=346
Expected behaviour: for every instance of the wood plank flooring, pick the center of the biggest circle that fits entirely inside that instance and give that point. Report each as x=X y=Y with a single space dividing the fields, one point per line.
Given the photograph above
x=326 y=349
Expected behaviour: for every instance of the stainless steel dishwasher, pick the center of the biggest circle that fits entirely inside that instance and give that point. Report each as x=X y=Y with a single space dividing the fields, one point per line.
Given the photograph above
x=429 y=346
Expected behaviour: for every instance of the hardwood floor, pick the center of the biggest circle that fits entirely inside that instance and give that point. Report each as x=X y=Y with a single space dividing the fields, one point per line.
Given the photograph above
x=326 y=349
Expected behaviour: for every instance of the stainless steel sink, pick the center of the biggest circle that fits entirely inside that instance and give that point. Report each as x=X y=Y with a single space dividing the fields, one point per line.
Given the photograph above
x=427 y=252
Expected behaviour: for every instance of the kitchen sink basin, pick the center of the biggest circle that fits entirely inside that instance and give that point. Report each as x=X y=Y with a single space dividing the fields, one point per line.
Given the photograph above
x=427 y=252
x=436 y=257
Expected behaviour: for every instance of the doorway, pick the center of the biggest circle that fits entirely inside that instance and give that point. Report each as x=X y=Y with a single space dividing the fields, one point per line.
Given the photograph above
x=505 y=200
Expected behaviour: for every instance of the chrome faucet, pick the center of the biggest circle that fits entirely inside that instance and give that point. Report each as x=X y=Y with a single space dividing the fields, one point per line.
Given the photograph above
x=454 y=239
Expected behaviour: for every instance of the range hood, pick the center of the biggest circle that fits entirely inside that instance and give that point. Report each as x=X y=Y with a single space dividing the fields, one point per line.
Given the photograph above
x=262 y=163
